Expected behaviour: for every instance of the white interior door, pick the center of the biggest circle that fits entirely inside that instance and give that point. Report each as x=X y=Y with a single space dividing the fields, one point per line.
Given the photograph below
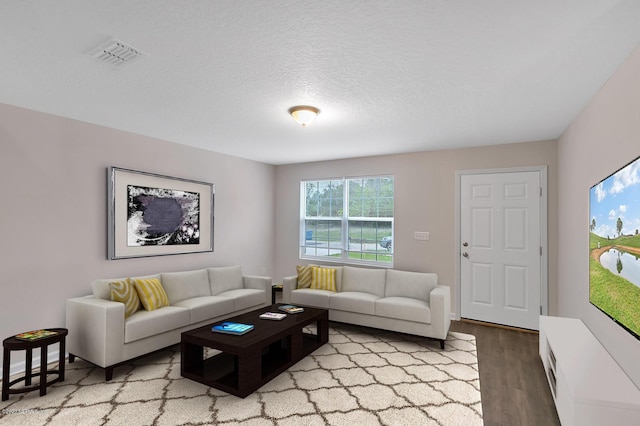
x=500 y=248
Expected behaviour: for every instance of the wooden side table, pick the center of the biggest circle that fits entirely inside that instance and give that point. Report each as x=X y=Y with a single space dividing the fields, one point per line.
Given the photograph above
x=15 y=344
x=275 y=288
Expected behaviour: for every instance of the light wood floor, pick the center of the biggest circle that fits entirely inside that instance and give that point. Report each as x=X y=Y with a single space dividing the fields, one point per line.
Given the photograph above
x=513 y=384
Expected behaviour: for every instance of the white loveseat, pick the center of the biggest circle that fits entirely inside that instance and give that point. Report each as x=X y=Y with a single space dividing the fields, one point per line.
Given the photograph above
x=407 y=302
x=100 y=333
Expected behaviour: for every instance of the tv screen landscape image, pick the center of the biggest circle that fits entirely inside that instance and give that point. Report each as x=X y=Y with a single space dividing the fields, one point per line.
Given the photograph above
x=614 y=246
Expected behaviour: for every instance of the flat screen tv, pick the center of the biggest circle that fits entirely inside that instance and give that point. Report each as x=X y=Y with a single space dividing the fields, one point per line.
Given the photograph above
x=614 y=246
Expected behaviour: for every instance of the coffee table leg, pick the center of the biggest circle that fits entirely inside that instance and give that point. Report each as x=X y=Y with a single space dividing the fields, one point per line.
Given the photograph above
x=322 y=328
x=295 y=347
x=249 y=369
x=192 y=360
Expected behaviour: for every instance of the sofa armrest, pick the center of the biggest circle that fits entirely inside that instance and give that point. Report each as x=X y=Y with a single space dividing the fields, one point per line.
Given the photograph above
x=440 y=304
x=259 y=283
x=96 y=330
x=288 y=284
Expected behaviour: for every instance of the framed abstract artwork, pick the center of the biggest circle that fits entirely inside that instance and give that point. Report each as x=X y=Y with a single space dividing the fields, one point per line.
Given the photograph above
x=155 y=215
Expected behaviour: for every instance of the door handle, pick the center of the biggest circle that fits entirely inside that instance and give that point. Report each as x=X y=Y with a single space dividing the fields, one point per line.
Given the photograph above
x=465 y=254
x=465 y=244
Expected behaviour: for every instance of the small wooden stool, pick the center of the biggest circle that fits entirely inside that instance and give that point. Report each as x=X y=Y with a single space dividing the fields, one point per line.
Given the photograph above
x=15 y=344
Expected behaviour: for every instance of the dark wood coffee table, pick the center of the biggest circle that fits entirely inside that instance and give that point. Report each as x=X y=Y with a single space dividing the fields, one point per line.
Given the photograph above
x=249 y=361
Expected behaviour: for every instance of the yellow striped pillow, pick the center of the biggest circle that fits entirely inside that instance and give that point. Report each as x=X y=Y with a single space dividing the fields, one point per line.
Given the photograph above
x=304 y=276
x=151 y=293
x=323 y=278
x=125 y=292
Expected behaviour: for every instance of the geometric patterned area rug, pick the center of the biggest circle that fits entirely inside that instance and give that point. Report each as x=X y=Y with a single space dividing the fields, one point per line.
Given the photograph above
x=363 y=376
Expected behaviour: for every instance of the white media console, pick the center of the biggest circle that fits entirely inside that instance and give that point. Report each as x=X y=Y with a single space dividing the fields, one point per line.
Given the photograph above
x=588 y=386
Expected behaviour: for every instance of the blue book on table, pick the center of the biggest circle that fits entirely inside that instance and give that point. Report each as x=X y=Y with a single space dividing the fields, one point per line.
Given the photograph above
x=232 y=328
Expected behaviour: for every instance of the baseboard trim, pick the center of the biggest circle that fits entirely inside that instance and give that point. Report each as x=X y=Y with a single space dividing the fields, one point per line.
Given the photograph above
x=505 y=327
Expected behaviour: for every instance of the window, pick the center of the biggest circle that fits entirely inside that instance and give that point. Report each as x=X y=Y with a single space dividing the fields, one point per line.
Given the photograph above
x=347 y=220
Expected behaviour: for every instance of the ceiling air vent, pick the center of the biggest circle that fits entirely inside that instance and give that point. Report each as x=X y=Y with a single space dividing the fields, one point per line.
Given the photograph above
x=117 y=53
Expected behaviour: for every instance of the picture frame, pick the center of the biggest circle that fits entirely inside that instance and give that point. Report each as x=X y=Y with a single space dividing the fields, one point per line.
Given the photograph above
x=156 y=215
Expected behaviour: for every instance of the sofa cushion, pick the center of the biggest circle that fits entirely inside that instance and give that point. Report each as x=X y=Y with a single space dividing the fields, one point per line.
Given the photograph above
x=365 y=280
x=101 y=288
x=308 y=297
x=403 y=308
x=149 y=323
x=416 y=285
x=244 y=297
x=125 y=292
x=151 y=293
x=225 y=278
x=353 y=301
x=304 y=276
x=323 y=278
x=185 y=285
x=207 y=307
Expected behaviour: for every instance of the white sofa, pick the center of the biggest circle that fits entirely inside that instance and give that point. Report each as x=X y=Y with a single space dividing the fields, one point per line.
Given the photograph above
x=407 y=302
x=100 y=334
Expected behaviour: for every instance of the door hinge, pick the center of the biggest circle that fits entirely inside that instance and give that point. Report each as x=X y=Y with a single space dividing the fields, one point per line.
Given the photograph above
x=540 y=310
x=540 y=250
x=541 y=191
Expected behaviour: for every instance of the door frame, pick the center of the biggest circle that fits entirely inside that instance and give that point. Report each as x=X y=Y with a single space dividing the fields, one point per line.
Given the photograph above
x=544 y=262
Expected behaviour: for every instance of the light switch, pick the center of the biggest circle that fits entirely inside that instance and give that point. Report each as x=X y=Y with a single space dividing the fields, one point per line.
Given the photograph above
x=419 y=235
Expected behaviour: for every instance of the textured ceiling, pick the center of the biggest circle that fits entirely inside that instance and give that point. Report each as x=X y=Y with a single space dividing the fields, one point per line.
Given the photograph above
x=388 y=76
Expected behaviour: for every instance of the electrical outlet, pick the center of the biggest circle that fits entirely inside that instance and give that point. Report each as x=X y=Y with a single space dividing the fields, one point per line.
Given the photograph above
x=423 y=236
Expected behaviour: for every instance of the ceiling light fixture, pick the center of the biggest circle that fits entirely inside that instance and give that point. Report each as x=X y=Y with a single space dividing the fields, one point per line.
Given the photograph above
x=304 y=114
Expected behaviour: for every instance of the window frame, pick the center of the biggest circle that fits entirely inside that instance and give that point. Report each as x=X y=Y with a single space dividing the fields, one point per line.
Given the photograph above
x=344 y=221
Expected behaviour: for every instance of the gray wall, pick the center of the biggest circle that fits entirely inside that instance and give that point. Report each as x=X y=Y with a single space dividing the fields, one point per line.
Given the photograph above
x=604 y=137
x=53 y=211
x=425 y=201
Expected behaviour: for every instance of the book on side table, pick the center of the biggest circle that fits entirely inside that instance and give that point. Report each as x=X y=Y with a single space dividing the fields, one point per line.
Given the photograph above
x=35 y=335
x=291 y=309
x=228 y=327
